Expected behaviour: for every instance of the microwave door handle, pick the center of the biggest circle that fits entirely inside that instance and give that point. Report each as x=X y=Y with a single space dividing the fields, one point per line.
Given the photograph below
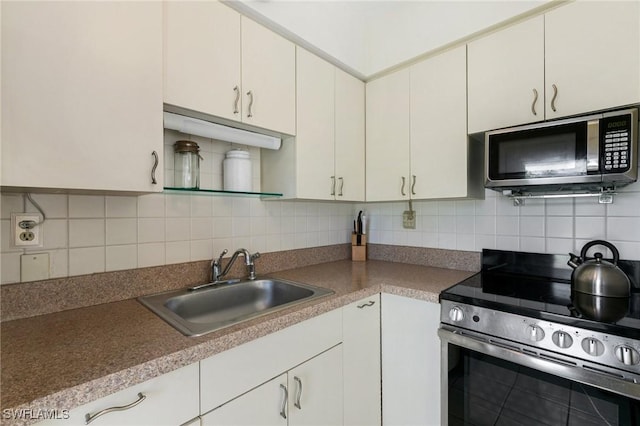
x=593 y=145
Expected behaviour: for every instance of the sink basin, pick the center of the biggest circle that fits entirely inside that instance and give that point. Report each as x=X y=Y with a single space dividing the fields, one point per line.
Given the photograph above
x=197 y=312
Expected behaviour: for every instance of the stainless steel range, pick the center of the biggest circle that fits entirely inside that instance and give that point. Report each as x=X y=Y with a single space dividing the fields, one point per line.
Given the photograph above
x=519 y=348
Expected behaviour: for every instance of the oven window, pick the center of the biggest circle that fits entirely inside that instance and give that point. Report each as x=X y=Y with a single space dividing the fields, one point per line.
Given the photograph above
x=484 y=390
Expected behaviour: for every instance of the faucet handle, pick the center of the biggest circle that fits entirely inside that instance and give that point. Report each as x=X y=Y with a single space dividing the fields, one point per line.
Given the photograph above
x=255 y=255
x=219 y=261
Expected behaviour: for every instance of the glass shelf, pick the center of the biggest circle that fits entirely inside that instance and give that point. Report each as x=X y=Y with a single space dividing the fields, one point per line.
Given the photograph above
x=221 y=192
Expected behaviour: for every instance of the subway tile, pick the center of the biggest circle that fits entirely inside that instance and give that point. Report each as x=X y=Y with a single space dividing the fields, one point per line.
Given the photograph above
x=86 y=232
x=151 y=230
x=86 y=206
x=122 y=207
x=151 y=205
x=486 y=207
x=623 y=228
x=257 y=225
x=300 y=224
x=559 y=207
x=150 y=254
x=430 y=224
x=507 y=243
x=10 y=270
x=202 y=250
x=178 y=205
x=505 y=207
x=414 y=238
x=201 y=228
x=11 y=203
x=5 y=234
x=242 y=242
x=532 y=244
x=86 y=260
x=532 y=226
x=221 y=244
x=241 y=226
x=177 y=252
x=273 y=241
x=58 y=263
x=590 y=227
x=485 y=225
x=446 y=208
x=507 y=225
x=447 y=241
x=465 y=208
x=53 y=205
x=222 y=227
x=465 y=242
x=55 y=234
x=559 y=245
x=559 y=226
x=446 y=225
x=485 y=242
x=177 y=229
x=259 y=243
x=628 y=250
x=121 y=257
x=532 y=207
x=627 y=204
x=223 y=206
x=589 y=206
x=430 y=239
x=465 y=225
x=121 y=231
x=241 y=207
x=400 y=238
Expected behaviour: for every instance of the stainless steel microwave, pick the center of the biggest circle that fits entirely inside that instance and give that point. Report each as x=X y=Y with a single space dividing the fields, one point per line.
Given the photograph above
x=588 y=152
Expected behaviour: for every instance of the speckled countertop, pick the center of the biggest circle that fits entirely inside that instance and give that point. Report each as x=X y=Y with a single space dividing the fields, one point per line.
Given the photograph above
x=66 y=359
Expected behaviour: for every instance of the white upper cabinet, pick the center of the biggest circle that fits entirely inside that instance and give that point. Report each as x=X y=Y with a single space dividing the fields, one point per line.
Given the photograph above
x=326 y=159
x=315 y=130
x=387 y=153
x=82 y=95
x=581 y=57
x=506 y=77
x=439 y=165
x=592 y=56
x=202 y=57
x=223 y=64
x=349 y=137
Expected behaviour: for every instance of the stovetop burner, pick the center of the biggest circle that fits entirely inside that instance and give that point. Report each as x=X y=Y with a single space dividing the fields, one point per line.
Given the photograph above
x=539 y=286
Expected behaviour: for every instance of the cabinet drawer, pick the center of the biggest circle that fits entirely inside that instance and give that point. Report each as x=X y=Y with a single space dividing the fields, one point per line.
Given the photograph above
x=231 y=373
x=170 y=399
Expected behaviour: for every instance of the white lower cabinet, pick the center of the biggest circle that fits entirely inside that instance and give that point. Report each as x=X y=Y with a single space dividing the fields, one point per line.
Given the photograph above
x=410 y=361
x=170 y=399
x=309 y=394
x=361 y=348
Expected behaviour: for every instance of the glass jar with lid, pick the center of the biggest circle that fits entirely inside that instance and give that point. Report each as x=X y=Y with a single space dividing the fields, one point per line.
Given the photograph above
x=186 y=164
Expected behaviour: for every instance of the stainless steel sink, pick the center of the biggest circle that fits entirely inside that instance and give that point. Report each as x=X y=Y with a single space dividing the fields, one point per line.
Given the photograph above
x=197 y=312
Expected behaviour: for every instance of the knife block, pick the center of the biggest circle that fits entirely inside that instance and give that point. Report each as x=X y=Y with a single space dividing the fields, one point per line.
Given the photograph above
x=358 y=252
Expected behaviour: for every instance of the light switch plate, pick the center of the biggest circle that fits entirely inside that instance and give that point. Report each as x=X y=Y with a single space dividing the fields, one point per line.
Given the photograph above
x=409 y=219
x=34 y=267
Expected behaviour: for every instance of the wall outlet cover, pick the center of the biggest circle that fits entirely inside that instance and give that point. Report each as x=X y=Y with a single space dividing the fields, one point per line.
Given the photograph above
x=34 y=267
x=409 y=219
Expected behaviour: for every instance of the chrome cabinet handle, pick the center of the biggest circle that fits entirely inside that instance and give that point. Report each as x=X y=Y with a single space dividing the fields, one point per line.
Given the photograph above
x=533 y=104
x=285 y=397
x=555 y=95
x=235 y=104
x=153 y=169
x=341 y=186
x=250 y=94
x=369 y=303
x=88 y=418
x=402 y=189
x=413 y=186
x=298 y=393
x=333 y=185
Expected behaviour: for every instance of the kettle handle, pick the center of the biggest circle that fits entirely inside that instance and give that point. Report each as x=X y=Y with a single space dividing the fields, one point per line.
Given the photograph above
x=614 y=250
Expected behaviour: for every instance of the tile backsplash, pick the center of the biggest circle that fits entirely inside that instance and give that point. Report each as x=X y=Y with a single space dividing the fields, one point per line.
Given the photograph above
x=555 y=226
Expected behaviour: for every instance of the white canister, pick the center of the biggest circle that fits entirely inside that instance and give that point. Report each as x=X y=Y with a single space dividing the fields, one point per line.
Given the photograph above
x=237 y=171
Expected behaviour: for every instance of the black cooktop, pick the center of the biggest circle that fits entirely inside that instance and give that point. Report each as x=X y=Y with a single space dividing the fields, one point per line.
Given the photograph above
x=539 y=286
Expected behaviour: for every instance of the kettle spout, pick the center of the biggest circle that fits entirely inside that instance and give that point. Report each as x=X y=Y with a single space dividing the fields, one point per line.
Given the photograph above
x=574 y=260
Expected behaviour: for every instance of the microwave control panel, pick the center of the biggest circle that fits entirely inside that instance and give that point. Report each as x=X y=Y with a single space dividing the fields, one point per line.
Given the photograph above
x=616 y=141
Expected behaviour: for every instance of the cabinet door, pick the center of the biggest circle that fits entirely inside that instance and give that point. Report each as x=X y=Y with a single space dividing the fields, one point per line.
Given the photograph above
x=202 y=57
x=315 y=390
x=504 y=70
x=387 y=150
x=269 y=74
x=263 y=406
x=592 y=53
x=315 y=127
x=410 y=361
x=82 y=95
x=170 y=399
x=438 y=126
x=349 y=137
x=361 y=362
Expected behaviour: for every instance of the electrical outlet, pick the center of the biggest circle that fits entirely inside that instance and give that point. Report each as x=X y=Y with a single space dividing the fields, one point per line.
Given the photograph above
x=26 y=230
x=409 y=219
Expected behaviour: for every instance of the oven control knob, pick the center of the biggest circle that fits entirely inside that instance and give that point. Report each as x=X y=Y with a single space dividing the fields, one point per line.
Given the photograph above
x=535 y=333
x=592 y=346
x=562 y=339
x=627 y=355
x=456 y=314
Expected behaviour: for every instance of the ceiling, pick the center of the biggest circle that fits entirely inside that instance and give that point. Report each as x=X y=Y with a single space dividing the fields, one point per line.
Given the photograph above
x=368 y=37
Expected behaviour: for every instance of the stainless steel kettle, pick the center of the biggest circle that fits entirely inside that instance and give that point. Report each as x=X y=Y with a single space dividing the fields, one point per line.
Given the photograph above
x=596 y=276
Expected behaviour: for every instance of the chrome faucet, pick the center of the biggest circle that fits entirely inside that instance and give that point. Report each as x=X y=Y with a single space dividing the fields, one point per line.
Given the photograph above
x=216 y=275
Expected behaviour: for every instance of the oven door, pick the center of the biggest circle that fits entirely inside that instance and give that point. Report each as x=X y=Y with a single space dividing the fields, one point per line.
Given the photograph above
x=485 y=382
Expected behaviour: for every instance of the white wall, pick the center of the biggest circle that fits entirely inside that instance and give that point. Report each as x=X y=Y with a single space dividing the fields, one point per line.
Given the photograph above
x=555 y=226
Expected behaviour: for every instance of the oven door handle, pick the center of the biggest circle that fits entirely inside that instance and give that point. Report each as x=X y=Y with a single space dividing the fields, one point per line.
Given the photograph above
x=552 y=365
